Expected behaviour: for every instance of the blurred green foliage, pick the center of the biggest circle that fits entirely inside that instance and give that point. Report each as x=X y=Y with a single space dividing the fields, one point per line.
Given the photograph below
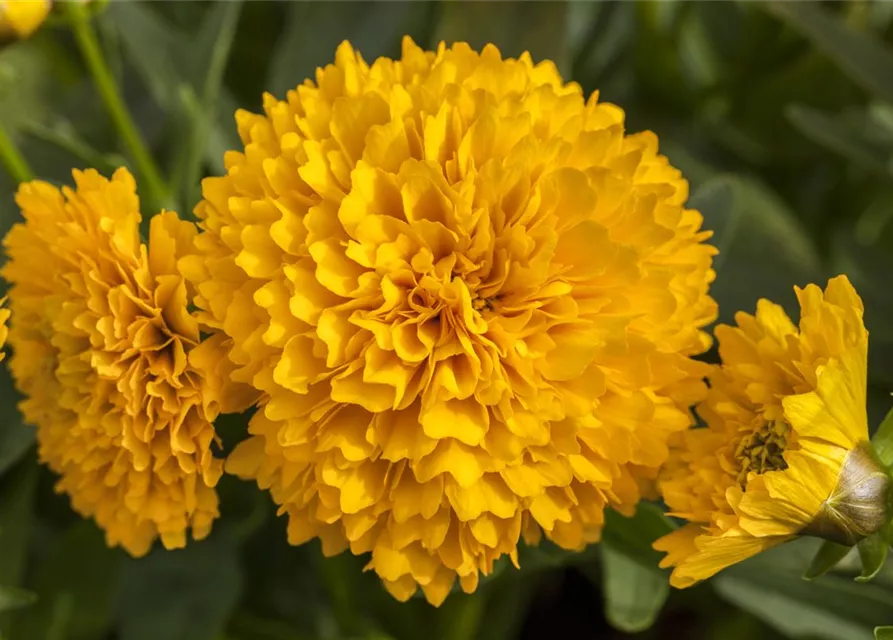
x=780 y=115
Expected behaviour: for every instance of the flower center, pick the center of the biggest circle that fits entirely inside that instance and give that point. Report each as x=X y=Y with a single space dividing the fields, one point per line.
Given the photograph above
x=763 y=450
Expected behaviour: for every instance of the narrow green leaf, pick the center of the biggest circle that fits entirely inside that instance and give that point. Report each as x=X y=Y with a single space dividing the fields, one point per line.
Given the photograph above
x=883 y=633
x=537 y=27
x=16 y=512
x=214 y=42
x=767 y=250
x=881 y=115
x=14 y=598
x=511 y=595
x=62 y=134
x=873 y=553
x=843 y=135
x=173 y=63
x=861 y=254
x=152 y=47
x=715 y=199
x=867 y=61
x=74 y=583
x=634 y=594
x=15 y=438
x=882 y=441
x=461 y=616
x=769 y=586
x=33 y=73
x=179 y=595
x=826 y=558
x=634 y=536
x=313 y=30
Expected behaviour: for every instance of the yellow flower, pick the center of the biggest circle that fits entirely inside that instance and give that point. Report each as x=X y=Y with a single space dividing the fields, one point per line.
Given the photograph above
x=785 y=449
x=108 y=358
x=21 y=18
x=467 y=300
x=4 y=331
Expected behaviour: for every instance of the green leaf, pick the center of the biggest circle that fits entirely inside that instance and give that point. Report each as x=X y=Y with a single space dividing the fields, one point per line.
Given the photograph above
x=769 y=586
x=15 y=438
x=14 y=598
x=537 y=27
x=16 y=512
x=63 y=135
x=173 y=64
x=881 y=117
x=882 y=441
x=867 y=61
x=508 y=596
x=634 y=595
x=33 y=73
x=873 y=553
x=883 y=633
x=844 y=135
x=313 y=30
x=152 y=47
x=716 y=199
x=213 y=44
x=826 y=558
x=74 y=586
x=186 y=594
x=863 y=253
x=766 y=249
x=635 y=536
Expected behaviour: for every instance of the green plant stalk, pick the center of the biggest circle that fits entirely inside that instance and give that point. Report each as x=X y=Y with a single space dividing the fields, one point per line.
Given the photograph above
x=338 y=584
x=12 y=158
x=466 y=617
x=155 y=189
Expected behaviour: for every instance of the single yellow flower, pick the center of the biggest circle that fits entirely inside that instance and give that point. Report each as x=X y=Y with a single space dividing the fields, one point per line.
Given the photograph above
x=4 y=330
x=21 y=18
x=785 y=449
x=122 y=393
x=467 y=300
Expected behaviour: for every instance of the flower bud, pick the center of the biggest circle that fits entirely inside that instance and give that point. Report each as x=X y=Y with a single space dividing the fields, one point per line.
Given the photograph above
x=860 y=503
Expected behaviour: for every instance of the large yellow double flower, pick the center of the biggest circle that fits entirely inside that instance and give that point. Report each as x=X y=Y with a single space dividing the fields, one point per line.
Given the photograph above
x=467 y=300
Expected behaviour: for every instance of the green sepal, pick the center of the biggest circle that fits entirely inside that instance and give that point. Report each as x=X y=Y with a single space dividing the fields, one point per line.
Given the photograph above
x=887 y=533
x=873 y=553
x=825 y=559
x=883 y=633
x=882 y=441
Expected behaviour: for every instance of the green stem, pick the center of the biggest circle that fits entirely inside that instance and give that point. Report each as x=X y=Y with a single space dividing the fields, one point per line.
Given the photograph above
x=156 y=191
x=465 y=617
x=336 y=576
x=12 y=158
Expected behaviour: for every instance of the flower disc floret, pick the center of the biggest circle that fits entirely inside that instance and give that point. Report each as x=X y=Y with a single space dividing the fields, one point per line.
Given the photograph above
x=468 y=303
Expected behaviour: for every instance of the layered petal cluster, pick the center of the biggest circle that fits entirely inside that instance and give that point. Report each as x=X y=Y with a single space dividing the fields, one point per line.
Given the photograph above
x=4 y=330
x=783 y=451
x=467 y=300
x=21 y=18
x=115 y=379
